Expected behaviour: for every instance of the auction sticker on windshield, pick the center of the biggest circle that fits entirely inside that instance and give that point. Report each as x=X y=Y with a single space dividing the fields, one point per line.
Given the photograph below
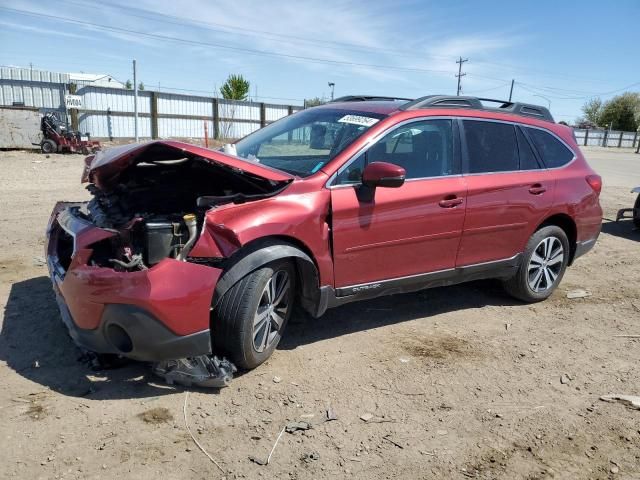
x=359 y=120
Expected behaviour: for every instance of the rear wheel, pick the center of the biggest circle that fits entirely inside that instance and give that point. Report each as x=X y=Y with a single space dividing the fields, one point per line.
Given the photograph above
x=251 y=316
x=49 y=146
x=636 y=212
x=543 y=265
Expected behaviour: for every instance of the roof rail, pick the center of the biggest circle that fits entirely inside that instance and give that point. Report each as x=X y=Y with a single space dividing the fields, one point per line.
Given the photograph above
x=515 y=108
x=366 y=98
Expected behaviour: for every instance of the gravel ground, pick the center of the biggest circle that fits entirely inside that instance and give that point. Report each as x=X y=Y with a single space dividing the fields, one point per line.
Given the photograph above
x=453 y=383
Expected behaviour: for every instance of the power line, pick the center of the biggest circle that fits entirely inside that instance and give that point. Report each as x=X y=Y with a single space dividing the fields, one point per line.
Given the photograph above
x=243 y=31
x=249 y=51
x=460 y=74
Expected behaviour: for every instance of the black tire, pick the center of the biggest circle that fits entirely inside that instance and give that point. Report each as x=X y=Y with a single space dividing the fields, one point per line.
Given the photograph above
x=48 y=146
x=233 y=320
x=523 y=284
x=636 y=212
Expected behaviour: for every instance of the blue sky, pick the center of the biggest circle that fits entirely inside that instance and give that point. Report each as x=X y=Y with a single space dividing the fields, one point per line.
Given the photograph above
x=564 y=51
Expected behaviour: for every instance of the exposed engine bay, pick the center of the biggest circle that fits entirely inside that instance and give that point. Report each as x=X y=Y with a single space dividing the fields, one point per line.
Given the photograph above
x=158 y=204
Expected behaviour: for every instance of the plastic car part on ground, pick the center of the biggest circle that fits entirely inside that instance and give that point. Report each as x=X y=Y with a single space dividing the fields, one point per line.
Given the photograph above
x=203 y=371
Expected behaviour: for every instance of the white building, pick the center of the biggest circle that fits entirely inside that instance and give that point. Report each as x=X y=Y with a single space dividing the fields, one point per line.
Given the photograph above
x=95 y=79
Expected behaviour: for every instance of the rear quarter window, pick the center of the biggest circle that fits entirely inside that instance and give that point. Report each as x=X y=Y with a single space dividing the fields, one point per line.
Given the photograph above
x=553 y=152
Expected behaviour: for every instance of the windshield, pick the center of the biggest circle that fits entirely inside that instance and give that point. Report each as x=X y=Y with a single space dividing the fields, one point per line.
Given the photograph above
x=303 y=143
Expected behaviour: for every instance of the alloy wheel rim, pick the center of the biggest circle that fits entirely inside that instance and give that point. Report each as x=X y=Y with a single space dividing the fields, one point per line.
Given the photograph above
x=272 y=311
x=545 y=264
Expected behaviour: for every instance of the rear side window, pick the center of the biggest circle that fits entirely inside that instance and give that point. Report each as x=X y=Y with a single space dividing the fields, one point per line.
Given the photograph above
x=528 y=160
x=491 y=146
x=553 y=152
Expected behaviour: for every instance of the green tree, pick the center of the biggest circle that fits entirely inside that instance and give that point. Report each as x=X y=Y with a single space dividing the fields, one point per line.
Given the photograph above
x=128 y=85
x=621 y=112
x=314 y=102
x=235 y=88
x=592 y=109
x=141 y=86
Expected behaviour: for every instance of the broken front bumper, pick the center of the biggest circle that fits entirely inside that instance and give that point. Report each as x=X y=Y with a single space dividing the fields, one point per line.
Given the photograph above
x=152 y=315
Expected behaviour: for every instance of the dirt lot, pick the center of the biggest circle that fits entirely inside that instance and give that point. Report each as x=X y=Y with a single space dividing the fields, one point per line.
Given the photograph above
x=459 y=382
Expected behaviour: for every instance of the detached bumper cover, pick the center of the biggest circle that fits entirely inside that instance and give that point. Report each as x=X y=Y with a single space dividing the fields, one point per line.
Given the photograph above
x=151 y=315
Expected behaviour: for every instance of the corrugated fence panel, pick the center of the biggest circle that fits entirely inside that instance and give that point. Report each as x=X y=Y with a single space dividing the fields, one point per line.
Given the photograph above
x=32 y=94
x=101 y=125
x=108 y=112
x=114 y=99
x=276 y=112
x=184 y=105
x=183 y=128
x=240 y=110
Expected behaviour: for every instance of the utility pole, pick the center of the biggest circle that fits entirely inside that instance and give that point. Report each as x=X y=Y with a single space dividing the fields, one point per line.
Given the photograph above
x=135 y=100
x=332 y=85
x=511 y=91
x=30 y=70
x=460 y=74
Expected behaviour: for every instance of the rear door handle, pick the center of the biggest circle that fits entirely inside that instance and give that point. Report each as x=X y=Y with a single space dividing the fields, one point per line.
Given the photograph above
x=537 y=189
x=450 y=201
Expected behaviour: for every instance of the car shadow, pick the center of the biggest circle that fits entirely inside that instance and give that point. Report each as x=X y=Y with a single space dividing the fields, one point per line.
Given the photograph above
x=623 y=228
x=390 y=310
x=35 y=343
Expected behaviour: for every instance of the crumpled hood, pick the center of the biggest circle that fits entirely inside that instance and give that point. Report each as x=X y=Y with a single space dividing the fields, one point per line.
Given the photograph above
x=106 y=165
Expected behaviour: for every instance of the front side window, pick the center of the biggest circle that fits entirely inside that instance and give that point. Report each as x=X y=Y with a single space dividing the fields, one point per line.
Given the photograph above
x=553 y=152
x=491 y=146
x=424 y=149
x=303 y=143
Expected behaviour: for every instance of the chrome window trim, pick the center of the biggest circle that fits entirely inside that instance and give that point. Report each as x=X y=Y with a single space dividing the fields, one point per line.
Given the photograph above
x=373 y=140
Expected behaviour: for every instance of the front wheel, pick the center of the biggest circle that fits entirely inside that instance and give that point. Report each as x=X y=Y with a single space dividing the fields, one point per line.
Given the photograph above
x=251 y=316
x=636 y=212
x=49 y=146
x=544 y=262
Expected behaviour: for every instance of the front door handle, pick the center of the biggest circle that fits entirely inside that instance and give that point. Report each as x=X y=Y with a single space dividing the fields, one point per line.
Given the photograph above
x=450 y=201
x=537 y=189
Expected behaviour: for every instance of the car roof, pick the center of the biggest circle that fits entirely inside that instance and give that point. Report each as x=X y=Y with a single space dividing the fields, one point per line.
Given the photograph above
x=389 y=105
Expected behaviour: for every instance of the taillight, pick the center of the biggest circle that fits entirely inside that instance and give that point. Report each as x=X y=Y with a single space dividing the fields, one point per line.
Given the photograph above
x=595 y=182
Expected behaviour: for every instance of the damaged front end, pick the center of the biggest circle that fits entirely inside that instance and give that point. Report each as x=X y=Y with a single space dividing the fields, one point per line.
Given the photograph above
x=120 y=263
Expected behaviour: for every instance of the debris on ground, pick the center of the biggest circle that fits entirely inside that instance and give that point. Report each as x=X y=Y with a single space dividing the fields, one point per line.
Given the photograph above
x=388 y=439
x=631 y=401
x=579 y=293
x=292 y=427
x=259 y=461
x=330 y=414
x=39 y=261
x=186 y=424
x=277 y=379
x=365 y=417
x=565 y=379
x=202 y=371
x=310 y=457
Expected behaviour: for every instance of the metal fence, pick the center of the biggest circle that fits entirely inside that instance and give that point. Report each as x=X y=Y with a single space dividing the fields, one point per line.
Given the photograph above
x=108 y=113
x=606 y=138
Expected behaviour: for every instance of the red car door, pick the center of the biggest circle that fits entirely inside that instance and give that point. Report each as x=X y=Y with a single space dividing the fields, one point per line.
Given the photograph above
x=403 y=231
x=508 y=191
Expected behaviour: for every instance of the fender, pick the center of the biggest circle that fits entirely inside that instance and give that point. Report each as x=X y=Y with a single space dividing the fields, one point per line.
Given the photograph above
x=264 y=251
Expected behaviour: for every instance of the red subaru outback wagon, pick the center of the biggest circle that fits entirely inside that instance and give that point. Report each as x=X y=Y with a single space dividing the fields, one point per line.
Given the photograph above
x=187 y=253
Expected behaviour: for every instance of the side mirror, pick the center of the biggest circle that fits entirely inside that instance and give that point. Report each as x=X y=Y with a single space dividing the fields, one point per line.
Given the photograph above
x=379 y=174
x=383 y=174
